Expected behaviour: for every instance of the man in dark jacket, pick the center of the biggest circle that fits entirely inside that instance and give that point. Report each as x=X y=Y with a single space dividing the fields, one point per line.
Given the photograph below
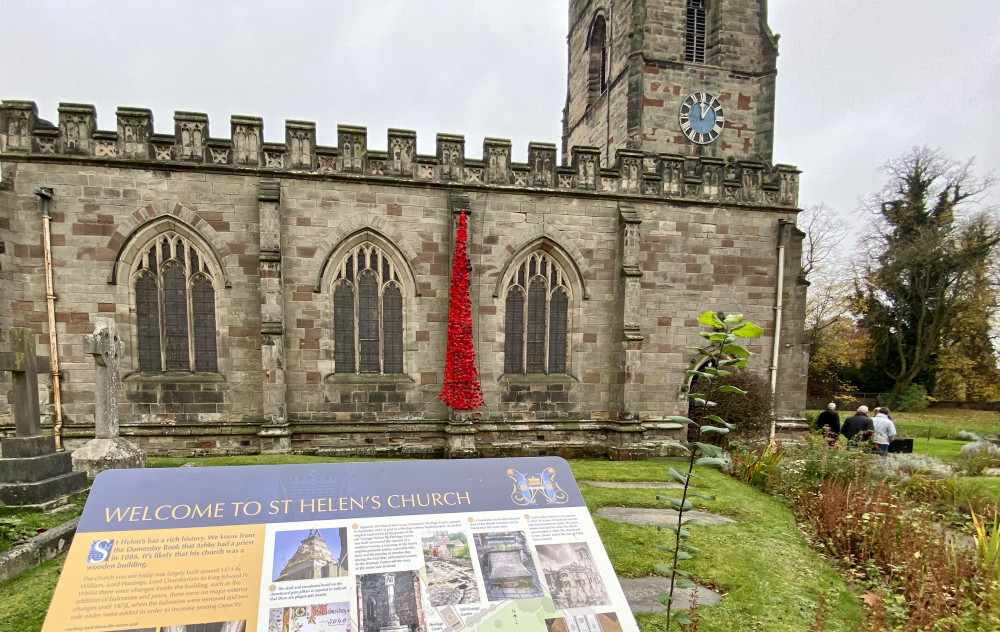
x=859 y=427
x=829 y=422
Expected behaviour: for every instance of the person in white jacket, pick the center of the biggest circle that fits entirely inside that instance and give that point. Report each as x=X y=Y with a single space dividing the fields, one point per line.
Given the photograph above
x=885 y=431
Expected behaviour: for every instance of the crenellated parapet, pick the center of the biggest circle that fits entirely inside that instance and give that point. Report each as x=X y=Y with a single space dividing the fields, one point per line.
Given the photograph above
x=634 y=173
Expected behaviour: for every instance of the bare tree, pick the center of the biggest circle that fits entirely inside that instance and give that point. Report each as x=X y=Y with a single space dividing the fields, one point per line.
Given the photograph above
x=827 y=269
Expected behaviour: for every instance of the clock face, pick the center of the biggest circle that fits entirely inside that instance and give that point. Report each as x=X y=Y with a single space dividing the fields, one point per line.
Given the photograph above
x=701 y=117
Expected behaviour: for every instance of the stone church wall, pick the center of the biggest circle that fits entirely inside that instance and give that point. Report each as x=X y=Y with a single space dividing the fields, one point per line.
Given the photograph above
x=648 y=244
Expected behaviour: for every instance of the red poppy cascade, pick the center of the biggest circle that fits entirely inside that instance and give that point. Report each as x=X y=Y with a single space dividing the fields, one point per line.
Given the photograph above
x=462 y=390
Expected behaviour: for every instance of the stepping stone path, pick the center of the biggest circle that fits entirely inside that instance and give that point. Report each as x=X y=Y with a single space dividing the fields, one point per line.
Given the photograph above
x=632 y=515
x=633 y=485
x=643 y=593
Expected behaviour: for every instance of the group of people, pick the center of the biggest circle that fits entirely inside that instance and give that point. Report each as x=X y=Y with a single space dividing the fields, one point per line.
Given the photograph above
x=860 y=429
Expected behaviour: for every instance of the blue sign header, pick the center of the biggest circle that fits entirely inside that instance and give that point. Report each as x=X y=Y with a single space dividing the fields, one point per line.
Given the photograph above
x=171 y=498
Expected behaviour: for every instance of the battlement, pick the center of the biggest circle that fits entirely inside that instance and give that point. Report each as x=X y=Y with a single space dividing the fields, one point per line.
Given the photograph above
x=665 y=176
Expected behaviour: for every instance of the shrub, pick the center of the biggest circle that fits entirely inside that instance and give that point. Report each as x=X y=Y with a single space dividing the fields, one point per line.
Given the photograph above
x=756 y=466
x=921 y=577
x=812 y=417
x=965 y=435
x=907 y=464
x=804 y=469
x=975 y=457
x=751 y=413
x=911 y=399
x=929 y=489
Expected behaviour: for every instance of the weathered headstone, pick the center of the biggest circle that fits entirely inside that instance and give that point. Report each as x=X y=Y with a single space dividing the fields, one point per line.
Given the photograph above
x=107 y=450
x=31 y=471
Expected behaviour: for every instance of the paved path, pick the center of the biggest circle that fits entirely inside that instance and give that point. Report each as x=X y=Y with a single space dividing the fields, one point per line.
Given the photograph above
x=632 y=515
x=634 y=485
x=642 y=594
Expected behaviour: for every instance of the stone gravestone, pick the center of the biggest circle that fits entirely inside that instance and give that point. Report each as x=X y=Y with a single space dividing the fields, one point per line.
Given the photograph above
x=31 y=471
x=106 y=450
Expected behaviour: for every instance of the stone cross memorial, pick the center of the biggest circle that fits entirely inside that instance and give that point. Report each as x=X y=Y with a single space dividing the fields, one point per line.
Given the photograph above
x=31 y=471
x=107 y=450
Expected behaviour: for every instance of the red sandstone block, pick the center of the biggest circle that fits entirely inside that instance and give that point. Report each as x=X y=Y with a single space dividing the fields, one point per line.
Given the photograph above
x=106 y=307
x=590 y=337
x=313 y=377
x=592 y=378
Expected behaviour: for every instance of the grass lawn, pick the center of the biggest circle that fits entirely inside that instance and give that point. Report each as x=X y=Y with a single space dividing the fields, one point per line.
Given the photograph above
x=944 y=449
x=943 y=423
x=771 y=578
x=24 y=601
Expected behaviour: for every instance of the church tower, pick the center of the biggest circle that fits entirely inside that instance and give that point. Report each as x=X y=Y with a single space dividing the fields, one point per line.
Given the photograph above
x=690 y=77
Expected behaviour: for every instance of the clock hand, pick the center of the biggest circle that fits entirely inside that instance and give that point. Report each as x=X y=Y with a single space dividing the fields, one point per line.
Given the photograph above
x=704 y=109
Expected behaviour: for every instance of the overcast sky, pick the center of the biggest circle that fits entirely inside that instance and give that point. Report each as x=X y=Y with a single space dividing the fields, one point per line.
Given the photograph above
x=859 y=81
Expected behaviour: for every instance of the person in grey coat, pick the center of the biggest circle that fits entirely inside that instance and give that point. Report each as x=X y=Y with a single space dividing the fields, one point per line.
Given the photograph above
x=884 y=431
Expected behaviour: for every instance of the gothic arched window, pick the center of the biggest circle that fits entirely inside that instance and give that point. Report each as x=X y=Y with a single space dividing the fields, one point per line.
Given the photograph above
x=694 y=32
x=174 y=307
x=367 y=313
x=536 y=313
x=597 y=55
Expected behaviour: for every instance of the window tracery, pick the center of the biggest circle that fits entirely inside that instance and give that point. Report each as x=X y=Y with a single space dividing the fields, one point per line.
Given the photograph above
x=536 y=314
x=367 y=312
x=175 y=307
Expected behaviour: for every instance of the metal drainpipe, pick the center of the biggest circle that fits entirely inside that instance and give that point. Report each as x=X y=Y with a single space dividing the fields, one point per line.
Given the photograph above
x=607 y=79
x=778 y=303
x=45 y=194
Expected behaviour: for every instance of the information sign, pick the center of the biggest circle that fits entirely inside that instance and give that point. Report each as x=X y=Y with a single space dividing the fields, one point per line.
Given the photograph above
x=393 y=546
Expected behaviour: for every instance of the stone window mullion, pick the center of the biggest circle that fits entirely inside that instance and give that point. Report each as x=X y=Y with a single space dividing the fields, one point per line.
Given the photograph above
x=178 y=333
x=377 y=335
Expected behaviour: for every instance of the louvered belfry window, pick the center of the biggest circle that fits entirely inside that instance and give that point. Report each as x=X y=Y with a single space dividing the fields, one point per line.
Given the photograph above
x=597 y=57
x=175 y=308
x=367 y=313
x=536 y=312
x=694 y=32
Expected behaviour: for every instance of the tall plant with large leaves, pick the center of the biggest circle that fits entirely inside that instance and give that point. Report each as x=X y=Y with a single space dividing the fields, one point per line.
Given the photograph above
x=724 y=355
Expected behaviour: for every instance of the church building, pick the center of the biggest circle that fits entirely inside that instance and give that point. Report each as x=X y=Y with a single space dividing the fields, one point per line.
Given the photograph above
x=294 y=297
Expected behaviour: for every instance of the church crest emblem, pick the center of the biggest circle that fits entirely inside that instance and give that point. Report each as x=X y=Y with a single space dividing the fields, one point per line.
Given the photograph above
x=528 y=487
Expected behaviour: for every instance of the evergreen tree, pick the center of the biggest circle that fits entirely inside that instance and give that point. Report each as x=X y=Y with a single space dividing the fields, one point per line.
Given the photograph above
x=929 y=246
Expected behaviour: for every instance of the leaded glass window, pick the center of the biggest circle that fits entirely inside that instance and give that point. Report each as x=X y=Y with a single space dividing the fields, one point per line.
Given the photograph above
x=536 y=313
x=367 y=313
x=175 y=307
